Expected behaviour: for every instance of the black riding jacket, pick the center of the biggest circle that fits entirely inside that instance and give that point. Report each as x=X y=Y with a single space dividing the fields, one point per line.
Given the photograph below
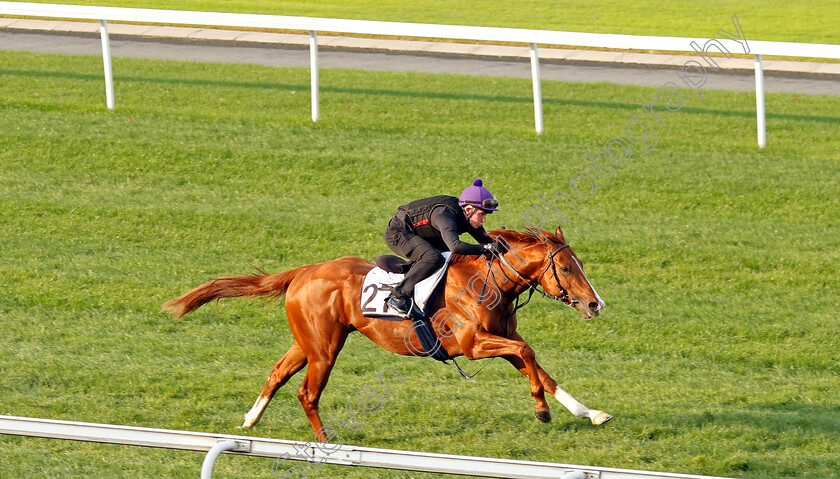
x=440 y=221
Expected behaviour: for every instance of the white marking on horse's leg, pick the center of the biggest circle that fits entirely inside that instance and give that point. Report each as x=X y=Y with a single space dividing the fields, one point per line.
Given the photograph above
x=253 y=416
x=570 y=403
x=579 y=410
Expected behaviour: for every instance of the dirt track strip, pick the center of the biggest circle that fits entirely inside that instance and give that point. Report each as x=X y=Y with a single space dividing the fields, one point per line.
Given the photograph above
x=179 y=46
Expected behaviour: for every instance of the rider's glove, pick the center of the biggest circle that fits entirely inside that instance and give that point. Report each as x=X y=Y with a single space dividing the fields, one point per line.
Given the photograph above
x=494 y=249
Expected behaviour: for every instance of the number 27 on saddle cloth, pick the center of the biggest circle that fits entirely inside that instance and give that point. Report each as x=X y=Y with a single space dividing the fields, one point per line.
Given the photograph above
x=379 y=283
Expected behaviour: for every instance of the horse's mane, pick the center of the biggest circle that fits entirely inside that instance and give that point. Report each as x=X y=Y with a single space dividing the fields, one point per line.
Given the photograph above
x=516 y=239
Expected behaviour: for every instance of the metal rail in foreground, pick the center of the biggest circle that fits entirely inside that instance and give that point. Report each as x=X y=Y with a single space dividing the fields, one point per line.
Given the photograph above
x=215 y=444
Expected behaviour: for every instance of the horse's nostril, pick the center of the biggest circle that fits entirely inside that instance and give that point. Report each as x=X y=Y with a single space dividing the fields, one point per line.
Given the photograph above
x=594 y=306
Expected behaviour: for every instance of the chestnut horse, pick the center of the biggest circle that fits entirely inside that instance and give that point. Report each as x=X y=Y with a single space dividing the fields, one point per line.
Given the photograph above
x=323 y=307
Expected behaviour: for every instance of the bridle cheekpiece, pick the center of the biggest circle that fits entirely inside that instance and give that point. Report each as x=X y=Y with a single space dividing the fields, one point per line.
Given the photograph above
x=533 y=285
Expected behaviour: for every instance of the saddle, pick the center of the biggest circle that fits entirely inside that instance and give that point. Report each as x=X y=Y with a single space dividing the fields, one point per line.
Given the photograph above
x=392 y=264
x=380 y=282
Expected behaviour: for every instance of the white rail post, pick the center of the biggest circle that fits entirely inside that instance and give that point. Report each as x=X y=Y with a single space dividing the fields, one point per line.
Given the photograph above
x=313 y=67
x=106 y=60
x=535 y=79
x=759 y=102
x=212 y=454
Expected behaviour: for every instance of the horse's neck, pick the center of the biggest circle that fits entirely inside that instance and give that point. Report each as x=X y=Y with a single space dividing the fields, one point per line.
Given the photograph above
x=493 y=276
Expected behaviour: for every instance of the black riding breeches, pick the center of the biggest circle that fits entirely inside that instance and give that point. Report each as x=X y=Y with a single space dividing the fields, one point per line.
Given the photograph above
x=425 y=258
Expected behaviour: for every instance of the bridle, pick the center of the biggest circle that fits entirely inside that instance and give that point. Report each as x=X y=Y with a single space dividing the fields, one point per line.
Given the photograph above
x=533 y=285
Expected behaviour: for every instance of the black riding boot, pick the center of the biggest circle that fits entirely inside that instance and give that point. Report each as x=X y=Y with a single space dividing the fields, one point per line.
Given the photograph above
x=400 y=302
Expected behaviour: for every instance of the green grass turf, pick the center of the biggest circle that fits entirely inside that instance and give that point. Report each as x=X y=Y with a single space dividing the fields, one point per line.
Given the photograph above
x=777 y=20
x=717 y=352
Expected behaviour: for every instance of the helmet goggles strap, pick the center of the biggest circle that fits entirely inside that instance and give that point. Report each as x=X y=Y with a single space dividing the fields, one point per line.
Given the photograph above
x=489 y=203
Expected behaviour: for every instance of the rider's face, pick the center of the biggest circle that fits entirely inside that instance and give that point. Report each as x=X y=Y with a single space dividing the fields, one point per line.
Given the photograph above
x=476 y=216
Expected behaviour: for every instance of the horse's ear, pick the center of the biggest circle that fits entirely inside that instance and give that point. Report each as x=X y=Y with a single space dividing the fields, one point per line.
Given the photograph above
x=559 y=233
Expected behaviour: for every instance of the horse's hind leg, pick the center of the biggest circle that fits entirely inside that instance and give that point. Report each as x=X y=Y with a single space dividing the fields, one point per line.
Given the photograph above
x=293 y=361
x=317 y=375
x=321 y=362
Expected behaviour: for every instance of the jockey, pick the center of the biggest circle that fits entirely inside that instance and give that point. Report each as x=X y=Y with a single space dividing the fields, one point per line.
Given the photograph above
x=423 y=228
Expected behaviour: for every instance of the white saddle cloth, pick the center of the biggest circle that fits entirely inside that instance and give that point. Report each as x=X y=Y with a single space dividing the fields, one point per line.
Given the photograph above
x=378 y=284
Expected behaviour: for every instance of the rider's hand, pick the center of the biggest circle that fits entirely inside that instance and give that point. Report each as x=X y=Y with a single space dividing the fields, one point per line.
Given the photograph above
x=494 y=249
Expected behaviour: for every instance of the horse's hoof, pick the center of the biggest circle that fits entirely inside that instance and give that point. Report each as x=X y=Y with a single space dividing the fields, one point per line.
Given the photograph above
x=543 y=416
x=247 y=424
x=599 y=417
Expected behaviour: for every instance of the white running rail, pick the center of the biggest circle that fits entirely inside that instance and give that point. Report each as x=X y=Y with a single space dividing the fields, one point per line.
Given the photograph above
x=422 y=30
x=214 y=444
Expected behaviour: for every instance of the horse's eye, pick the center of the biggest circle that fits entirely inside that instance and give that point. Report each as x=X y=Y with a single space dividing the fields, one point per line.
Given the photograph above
x=565 y=269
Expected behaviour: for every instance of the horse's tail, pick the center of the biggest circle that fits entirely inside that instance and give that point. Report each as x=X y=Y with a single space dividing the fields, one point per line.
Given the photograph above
x=232 y=287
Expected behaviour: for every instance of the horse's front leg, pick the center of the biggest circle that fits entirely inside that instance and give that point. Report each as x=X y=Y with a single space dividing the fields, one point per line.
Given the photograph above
x=486 y=345
x=579 y=410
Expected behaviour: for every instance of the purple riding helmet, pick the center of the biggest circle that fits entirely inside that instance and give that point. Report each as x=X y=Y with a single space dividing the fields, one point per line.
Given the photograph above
x=478 y=196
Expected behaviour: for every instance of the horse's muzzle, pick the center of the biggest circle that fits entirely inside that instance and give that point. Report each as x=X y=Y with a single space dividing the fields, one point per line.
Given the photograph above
x=591 y=310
